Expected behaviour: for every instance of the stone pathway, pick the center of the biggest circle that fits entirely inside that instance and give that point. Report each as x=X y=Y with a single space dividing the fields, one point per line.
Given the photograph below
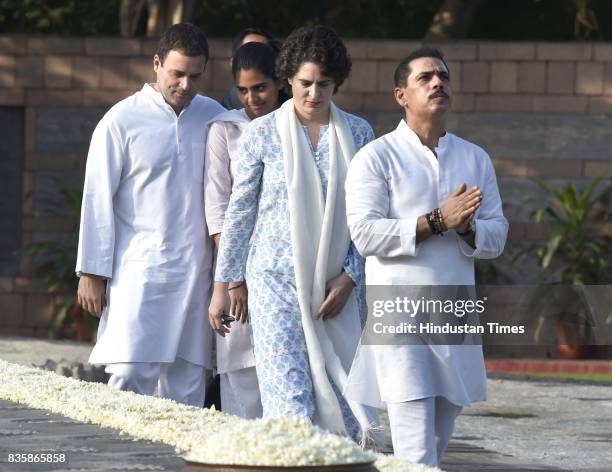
x=524 y=426
x=86 y=447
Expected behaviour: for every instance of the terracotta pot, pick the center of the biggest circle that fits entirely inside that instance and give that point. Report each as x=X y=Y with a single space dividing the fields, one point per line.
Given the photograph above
x=201 y=467
x=570 y=341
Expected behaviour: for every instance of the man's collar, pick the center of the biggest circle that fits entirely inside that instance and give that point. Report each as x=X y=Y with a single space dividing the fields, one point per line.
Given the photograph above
x=407 y=133
x=150 y=90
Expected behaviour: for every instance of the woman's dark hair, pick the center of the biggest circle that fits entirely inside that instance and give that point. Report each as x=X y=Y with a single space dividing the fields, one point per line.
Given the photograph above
x=318 y=44
x=237 y=40
x=258 y=56
x=185 y=38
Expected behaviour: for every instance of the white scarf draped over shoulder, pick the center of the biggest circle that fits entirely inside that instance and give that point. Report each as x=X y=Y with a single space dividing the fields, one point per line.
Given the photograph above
x=236 y=116
x=320 y=240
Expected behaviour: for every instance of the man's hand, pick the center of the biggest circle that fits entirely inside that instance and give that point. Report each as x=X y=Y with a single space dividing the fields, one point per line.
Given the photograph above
x=219 y=306
x=338 y=290
x=460 y=207
x=91 y=294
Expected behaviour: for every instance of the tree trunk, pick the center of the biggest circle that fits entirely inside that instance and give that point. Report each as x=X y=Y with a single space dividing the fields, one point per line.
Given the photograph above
x=161 y=14
x=130 y=12
x=164 y=14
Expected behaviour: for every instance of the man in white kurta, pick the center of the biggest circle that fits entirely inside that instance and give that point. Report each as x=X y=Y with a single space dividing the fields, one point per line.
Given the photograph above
x=144 y=257
x=393 y=185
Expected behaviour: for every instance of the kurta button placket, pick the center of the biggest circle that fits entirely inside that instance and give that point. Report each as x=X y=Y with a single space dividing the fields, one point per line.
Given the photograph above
x=177 y=131
x=435 y=164
x=444 y=189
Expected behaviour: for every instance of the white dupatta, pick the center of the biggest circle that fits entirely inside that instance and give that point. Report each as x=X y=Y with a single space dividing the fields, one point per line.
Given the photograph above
x=320 y=240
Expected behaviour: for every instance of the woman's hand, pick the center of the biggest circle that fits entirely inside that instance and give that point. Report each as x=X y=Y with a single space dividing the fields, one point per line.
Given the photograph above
x=239 y=303
x=219 y=306
x=338 y=290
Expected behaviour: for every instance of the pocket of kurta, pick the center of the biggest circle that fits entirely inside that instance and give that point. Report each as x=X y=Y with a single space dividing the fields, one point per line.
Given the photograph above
x=197 y=160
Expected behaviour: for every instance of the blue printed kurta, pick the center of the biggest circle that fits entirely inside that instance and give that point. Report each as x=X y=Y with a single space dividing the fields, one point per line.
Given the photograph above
x=259 y=206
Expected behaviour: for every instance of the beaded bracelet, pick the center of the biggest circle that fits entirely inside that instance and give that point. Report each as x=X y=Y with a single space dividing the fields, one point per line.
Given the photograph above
x=431 y=223
x=435 y=220
x=440 y=220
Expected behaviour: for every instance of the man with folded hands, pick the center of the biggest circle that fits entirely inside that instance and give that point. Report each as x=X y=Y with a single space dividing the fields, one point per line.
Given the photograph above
x=422 y=205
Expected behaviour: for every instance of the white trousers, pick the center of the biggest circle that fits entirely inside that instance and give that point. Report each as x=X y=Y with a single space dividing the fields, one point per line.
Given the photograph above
x=180 y=380
x=240 y=393
x=421 y=429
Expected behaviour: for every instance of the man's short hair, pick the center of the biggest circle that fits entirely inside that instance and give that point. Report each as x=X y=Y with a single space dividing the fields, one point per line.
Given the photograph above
x=237 y=41
x=185 y=38
x=403 y=69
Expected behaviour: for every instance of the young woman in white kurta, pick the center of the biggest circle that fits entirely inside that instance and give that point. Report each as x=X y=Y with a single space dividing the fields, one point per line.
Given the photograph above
x=259 y=91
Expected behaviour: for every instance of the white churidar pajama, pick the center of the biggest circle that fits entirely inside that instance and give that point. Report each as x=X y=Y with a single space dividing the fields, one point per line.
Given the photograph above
x=143 y=229
x=391 y=182
x=421 y=429
x=235 y=361
x=180 y=381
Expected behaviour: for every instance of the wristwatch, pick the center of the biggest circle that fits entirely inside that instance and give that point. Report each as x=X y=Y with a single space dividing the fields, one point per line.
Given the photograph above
x=470 y=229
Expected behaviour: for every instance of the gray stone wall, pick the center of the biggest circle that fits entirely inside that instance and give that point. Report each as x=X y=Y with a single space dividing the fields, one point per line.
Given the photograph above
x=539 y=109
x=11 y=191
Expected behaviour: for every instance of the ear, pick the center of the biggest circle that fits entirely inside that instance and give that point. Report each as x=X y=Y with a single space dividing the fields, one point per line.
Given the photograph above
x=156 y=63
x=400 y=96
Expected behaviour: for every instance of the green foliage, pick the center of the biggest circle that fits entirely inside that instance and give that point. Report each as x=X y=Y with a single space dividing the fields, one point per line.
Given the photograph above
x=54 y=263
x=351 y=18
x=61 y=17
x=575 y=252
x=550 y=20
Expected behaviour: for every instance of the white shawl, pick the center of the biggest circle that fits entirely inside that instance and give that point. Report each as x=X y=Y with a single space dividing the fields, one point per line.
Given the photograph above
x=238 y=117
x=320 y=240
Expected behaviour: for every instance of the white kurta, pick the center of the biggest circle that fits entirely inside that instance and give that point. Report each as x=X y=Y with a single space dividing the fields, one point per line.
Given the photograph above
x=391 y=182
x=143 y=228
x=234 y=351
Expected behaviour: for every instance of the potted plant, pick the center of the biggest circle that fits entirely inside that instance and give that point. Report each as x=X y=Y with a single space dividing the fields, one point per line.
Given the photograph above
x=577 y=253
x=55 y=262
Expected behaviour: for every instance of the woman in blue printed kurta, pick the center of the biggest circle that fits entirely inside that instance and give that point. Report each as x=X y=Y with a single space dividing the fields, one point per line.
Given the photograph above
x=259 y=208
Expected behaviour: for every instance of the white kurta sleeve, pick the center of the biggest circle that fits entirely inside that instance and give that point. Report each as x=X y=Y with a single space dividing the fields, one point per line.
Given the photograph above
x=367 y=207
x=218 y=178
x=102 y=176
x=491 y=225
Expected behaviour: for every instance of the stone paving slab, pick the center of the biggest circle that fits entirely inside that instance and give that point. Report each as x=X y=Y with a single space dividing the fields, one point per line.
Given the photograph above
x=87 y=447
x=29 y=351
